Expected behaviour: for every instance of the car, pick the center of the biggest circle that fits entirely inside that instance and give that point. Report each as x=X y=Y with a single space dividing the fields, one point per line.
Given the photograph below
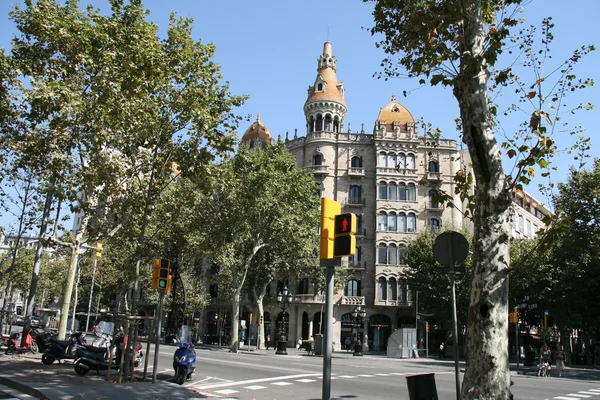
x=35 y=322
x=19 y=320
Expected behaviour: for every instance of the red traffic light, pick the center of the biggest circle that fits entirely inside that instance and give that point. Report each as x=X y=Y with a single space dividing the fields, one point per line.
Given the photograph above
x=345 y=224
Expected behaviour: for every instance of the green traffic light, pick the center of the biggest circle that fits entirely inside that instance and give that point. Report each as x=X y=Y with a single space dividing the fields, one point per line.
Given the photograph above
x=162 y=283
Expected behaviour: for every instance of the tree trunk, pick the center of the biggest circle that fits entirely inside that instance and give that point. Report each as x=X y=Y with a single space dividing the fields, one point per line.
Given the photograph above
x=260 y=335
x=487 y=375
x=235 y=320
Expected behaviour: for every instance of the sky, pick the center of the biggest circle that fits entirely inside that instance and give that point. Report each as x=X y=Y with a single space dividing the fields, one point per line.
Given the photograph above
x=269 y=50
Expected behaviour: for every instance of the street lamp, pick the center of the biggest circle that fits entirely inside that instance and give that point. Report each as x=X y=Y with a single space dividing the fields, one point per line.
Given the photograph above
x=284 y=298
x=358 y=316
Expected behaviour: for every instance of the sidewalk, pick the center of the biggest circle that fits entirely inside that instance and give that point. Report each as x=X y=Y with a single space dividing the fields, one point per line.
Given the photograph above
x=26 y=374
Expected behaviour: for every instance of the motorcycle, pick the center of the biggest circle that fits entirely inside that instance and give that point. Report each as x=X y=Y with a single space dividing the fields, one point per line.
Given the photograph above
x=63 y=349
x=13 y=342
x=89 y=357
x=184 y=357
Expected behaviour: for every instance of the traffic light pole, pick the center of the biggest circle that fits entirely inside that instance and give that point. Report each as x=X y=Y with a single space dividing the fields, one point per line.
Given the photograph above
x=455 y=331
x=327 y=337
x=161 y=301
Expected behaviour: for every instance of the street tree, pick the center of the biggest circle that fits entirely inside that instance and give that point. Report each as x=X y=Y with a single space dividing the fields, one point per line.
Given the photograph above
x=458 y=44
x=260 y=202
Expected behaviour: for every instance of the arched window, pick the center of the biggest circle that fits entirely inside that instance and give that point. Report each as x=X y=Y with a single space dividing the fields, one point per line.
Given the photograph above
x=311 y=125
x=392 y=160
x=401 y=251
x=401 y=222
x=356 y=256
x=393 y=191
x=393 y=254
x=319 y=126
x=382 y=292
x=410 y=161
x=391 y=222
x=382 y=222
x=302 y=286
x=320 y=87
x=383 y=191
x=355 y=194
x=317 y=159
x=411 y=192
x=402 y=191
x=356 y=162
x=328 y=123
x=401 y=161
x=433 y=166
x=336 y=124
x=382 y=160
x=433 y=202
x=352 y=288
x=411 y=223
x=434 y=224
x=382 y=254
x=392 y=289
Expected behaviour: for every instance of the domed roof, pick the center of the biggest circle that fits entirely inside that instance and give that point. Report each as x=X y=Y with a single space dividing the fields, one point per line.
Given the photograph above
x=257 y=130
x=395 y=112
x=326 y=85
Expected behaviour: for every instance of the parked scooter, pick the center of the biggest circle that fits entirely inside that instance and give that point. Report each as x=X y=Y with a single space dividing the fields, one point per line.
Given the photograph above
x=184 y=357
x=13 y=342
x=63 y=349
x=90 y=357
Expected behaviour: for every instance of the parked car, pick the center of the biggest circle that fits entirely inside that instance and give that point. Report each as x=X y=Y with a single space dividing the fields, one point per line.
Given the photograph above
x=19 y=320
x=35 y=322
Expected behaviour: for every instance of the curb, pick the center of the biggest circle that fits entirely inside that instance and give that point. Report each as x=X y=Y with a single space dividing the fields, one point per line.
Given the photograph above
x=22 y=388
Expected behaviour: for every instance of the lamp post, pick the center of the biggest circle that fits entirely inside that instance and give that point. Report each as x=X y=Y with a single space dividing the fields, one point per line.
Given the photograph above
x=358 y=316
x=284 y=298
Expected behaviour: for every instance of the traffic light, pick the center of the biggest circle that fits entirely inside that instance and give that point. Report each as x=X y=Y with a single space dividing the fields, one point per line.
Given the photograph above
x=259 y=320
x=426 y=326
x=344 y=241
x=221 y=315
x=169 y=285
x=98 y=250
x=329 y=209
x=250 y=317
x=513 y=317
x=160 y=273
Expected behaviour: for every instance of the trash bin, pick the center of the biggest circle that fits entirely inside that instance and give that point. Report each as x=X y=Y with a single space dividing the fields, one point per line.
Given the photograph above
x=421 y=387
x=318 y=344
x=529 y=357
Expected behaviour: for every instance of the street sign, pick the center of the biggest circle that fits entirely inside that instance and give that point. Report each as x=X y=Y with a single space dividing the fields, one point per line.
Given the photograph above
x=197 y=316
x=450 y=249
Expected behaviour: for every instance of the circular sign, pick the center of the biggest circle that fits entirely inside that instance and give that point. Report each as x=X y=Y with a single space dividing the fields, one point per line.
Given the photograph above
x=333 y=321
x=197 y=314
x=450 y=248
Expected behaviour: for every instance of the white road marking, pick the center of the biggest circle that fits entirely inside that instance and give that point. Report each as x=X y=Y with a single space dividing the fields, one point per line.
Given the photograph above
x=382 y=374
x=306 y=380
x=252 y=381
x=226 y=391
x=255 y=387
x=348 y=376
x=282 y=383
x=578 y=395
x=595 y=394
x=565 y=398
x=366 y=376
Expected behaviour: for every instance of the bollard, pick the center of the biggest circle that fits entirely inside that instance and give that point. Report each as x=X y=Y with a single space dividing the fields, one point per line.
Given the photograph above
x=421 y=387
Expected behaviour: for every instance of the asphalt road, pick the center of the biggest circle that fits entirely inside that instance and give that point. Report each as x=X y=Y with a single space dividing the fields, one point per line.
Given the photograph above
x=264 y=375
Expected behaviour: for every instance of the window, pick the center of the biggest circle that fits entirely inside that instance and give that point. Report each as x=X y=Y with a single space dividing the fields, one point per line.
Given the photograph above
x=317 y=159
x=433 y=166
x=383 y=191
x=401 y=222
x=382 y=292
x=328 y=123
x=410 y=161
x=391 y=222
x=320 y=87
x=392 y=289
x=393 y=254
x=433 y=202
x=382 y=161
x=411 y=223
x=401 y=254
x=352 y=288
x=393 y=191
x=401 y=161
x=521 y=227
x=355 y=194
x=434 y=224
x=356 y=162
x=302 y=286
x=356 y=256
x=382 y=254
x=319 y=126
x=391 y=160
x=411 y=192
x=382 y=222
x=402 y=191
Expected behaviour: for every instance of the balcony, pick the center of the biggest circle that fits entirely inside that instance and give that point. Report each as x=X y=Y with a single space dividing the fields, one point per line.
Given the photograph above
x=434 y=176
x=355 y=202
x=309 y=299
x=393 y=303
x=356 y=171
x=435 y=207
x=357 y=264
x=353 y=300
x=322 y=170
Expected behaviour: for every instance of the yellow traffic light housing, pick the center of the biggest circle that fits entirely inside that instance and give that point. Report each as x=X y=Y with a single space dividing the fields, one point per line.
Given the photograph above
x=329 y=209
x=169 y=285
x=344 y=240
x=160 y=274
x=98 y=250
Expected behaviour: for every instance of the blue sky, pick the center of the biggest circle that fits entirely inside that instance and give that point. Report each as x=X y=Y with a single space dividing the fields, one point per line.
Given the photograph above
x=269 y=50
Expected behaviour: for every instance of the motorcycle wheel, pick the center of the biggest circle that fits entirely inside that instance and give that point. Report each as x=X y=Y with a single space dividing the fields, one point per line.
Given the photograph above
x=136 y=363
x=33 y=347
x=11 y=348
x=81 y=368
x=47 y=360
x=180 y=377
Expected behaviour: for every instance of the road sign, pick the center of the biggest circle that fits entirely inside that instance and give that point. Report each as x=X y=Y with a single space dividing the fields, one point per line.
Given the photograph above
x=450 y=249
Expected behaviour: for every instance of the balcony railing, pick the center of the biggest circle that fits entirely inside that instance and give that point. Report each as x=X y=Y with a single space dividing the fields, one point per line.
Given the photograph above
x=309 y=298
x=355 y=201
x=434 y=207
x=353 y=300
x=319 y=169
x=356 y=171
x=357 y=264
x=434 y=176
x=395 y=303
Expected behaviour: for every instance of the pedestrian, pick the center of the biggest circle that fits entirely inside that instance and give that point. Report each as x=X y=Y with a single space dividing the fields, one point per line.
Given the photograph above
x=559 y=360
x=415 y=351
x=299 y=344
x=547 y=354
x=268 y=341
x=442 y=351
x=348 y=344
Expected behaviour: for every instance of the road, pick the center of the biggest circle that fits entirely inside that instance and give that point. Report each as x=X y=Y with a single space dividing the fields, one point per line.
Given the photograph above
x=264 y=375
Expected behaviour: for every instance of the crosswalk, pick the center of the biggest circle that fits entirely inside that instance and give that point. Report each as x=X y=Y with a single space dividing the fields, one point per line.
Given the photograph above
x=7 y=393
x=582 y=394
x=220 y=387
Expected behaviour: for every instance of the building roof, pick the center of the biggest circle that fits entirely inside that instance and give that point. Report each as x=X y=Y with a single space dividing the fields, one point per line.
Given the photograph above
x=257 y=130
x=332 y=89
x=395 y=112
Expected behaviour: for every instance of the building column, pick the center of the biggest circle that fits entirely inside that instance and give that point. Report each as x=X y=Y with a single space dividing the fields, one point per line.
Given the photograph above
x=310 y=325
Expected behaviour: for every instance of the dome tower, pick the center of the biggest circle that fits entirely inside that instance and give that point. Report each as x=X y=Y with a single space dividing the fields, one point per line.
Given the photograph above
x=325 y=107
x=257 y=135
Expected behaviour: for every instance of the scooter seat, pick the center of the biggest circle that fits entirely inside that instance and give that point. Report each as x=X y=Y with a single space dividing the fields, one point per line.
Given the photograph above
x=94 y=349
